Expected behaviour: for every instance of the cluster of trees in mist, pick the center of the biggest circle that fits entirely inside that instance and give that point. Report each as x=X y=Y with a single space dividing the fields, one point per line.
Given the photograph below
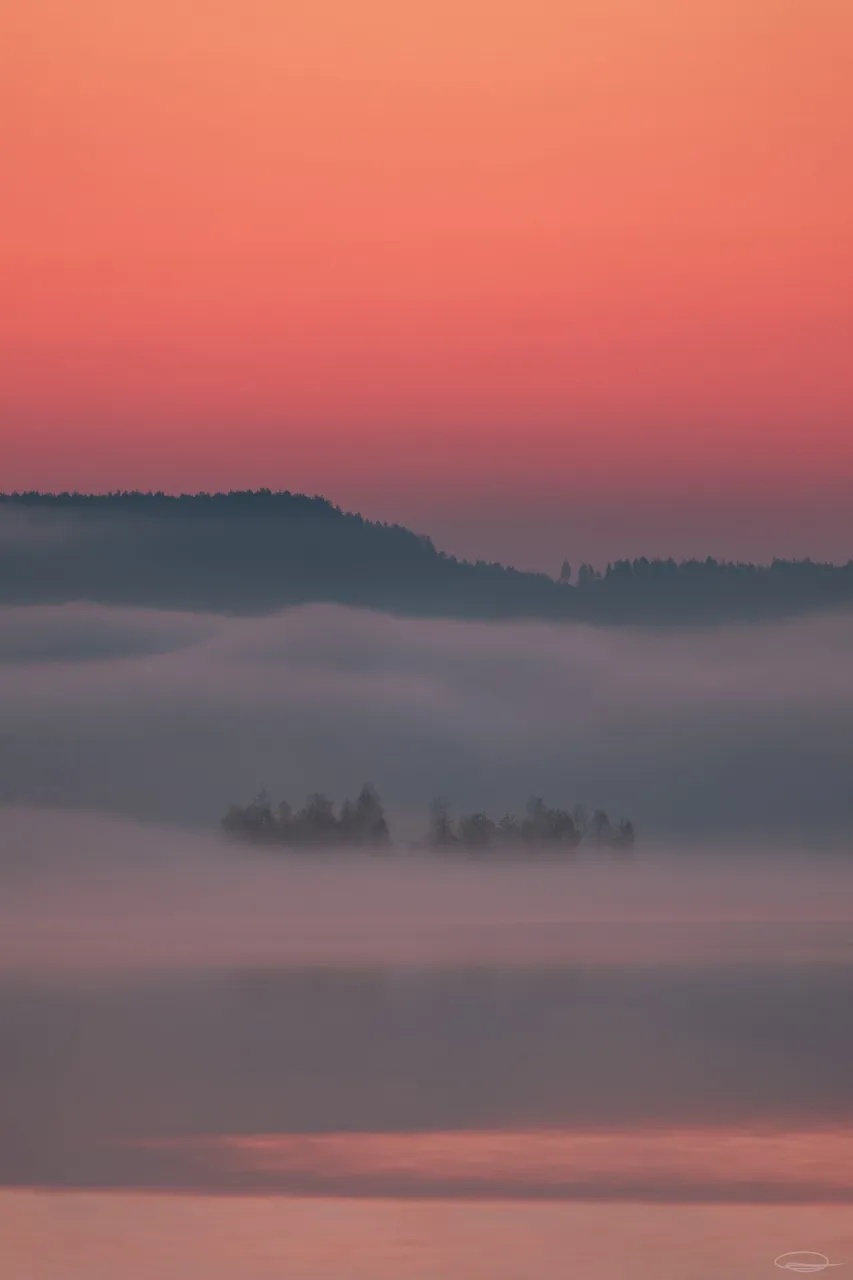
x=258 y=551
x=540 y=825
x=363 y=822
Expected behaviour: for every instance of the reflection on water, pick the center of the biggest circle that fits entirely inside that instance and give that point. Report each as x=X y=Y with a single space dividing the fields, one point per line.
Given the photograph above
x=118 y=1236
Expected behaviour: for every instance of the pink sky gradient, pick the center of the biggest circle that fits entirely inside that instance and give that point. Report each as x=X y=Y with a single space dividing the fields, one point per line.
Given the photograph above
x=544 y=279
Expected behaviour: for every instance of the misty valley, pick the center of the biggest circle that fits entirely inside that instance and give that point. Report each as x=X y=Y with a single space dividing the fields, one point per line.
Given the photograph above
x=450 y=998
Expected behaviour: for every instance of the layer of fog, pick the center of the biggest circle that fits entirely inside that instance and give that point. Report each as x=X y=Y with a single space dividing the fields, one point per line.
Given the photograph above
x=157 y=981
x=90 y=894
x=86 y=1069
x=727 y=733
x=161 y=983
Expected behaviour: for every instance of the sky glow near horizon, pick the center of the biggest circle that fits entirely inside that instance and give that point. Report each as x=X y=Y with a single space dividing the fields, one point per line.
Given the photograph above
x=545 y=279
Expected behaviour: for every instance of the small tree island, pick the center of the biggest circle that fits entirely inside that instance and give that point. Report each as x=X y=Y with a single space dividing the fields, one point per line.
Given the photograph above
x=359 y=823
x=363 y=822
x=541 y=826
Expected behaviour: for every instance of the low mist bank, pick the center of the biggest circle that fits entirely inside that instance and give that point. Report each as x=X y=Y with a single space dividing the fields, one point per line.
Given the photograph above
x=676 y=1164
x=729 y=734
x=90 y=894
x=157 y=984
x=87 y=1235
x=93 y=1072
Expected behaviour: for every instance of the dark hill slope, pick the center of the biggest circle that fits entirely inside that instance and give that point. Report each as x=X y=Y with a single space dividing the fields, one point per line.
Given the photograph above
x=258 y=552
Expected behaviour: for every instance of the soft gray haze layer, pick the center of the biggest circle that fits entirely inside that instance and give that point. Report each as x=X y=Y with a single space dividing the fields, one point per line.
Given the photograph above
x=727 y=733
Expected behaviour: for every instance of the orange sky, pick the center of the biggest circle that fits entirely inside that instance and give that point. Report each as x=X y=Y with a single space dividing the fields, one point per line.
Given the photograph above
x=432 y=259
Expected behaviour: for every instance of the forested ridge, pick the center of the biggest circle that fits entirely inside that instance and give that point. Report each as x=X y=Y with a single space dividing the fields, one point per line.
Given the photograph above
x=259 y=551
